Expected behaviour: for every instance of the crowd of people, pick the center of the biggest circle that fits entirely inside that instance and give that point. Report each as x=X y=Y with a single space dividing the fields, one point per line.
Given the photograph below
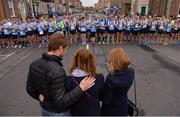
x=80 y=93
x=34 y=32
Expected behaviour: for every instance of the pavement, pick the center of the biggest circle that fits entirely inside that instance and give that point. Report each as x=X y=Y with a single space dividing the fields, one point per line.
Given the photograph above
x=172 y=52
x=157 y=78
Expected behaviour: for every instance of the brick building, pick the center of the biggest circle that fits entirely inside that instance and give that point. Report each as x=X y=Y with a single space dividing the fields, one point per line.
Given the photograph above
x=9 y=9
x=164 y=7
x=124 y=5
x=102 y=4
x=141 y=7
x=74 y=5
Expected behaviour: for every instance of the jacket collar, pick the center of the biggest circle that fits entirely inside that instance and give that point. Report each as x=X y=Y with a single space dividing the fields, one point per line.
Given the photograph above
x=52 y=58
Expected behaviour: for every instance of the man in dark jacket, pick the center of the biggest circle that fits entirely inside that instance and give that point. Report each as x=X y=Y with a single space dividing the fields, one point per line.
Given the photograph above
x=47 y=77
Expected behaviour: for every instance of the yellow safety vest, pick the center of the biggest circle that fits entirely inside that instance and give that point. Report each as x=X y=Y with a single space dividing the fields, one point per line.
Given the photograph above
x=62 y=24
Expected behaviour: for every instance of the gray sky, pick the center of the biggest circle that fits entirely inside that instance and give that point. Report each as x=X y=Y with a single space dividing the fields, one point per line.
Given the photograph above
x=89 y=2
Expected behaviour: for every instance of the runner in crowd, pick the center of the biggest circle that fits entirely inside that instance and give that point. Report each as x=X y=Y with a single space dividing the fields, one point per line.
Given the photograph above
x=83 y=30
x=35 y=32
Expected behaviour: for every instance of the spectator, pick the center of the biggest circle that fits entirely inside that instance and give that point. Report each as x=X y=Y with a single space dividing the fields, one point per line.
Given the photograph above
x=47 y=77
x=117 y=84
x=84 y=65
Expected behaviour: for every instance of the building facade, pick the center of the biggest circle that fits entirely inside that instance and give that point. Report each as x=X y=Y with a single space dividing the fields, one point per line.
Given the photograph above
x=9 y=9
x=164 y=7
x=36 y=8
x=102 y=4
x=123 y=5
x=141 y=7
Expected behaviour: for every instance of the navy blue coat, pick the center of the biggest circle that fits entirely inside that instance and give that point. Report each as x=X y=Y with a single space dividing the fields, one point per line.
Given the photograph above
x=87 y=105
x=115 y=92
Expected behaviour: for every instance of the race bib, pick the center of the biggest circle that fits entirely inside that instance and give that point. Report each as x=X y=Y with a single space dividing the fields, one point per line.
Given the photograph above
x=41 y=32
x=136 y=26
x=83 y=29
x=72 y=28
x=168 y=30
x=21 y=33
x=153 y=27
x=161 y=27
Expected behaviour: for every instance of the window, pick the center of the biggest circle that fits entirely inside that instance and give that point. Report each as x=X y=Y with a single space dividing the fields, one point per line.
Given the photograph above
x=143 y=10
x=11 y=8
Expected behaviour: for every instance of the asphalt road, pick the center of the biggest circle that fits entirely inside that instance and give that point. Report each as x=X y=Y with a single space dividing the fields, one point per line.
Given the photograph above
x=157 y=83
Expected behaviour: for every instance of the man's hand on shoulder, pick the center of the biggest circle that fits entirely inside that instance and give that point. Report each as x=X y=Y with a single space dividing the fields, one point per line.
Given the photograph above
x=87 y=83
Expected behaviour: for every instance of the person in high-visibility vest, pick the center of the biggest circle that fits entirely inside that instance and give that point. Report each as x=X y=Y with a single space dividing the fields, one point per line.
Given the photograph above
x=60 y=25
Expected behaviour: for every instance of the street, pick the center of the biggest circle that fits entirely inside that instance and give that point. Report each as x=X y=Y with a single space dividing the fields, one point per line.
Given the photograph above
x=148 y=30
x=157 y=79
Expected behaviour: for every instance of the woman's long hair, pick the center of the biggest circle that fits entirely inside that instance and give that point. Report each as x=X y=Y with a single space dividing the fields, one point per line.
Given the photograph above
x=84 y=60
x=118 y=60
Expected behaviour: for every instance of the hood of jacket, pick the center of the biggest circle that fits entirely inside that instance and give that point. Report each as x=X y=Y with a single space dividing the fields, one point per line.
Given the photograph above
x=79 y=73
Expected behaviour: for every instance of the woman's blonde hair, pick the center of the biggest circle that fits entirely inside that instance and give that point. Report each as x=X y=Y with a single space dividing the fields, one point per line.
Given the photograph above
x=84 y=60
x=118 y=60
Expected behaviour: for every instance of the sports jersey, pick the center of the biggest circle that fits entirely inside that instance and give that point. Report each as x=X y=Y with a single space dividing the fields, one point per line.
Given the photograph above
x=82 y=26
x=51 y=25
x=6 y=28
x=22 y=28
x=161 y=27
x=93 y=29
x=120 y=25
x=72 y=25
x=176 y=26
x=128 y=26
x=111 y=24
x=153 y=25
x=144 y=24
x=136 y=25
x=15 y=29
x=169 y=27
x=1 y=31
x=102 y=24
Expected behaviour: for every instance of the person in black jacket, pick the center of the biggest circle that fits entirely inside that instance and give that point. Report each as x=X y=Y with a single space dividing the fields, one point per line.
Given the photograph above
x=84 y=65
x=117 y=84
x=46 y=80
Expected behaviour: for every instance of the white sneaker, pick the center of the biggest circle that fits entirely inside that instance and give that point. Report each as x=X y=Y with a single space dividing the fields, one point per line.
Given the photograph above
x=99 y=42
x=15 y=46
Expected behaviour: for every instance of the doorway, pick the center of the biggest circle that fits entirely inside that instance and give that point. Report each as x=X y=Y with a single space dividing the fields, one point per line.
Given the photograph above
x=143 y=10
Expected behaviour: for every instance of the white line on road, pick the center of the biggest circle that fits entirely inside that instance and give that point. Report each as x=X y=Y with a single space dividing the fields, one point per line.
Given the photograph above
x=6 y=56
x=3 y=55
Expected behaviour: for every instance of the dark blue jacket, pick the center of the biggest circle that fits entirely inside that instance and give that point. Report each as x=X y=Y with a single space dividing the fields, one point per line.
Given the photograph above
x=89 y=104
x=115 y=92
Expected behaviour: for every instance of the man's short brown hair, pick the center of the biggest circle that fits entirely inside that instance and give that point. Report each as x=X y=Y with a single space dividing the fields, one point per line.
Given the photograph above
x=57 y=40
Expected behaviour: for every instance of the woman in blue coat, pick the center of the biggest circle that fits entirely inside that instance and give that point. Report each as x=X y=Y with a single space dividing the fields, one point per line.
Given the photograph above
x=117 y=84
x=84 y=65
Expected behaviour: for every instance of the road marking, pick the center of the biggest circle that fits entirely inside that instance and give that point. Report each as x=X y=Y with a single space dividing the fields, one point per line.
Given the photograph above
x=3 y=55
x=6 y=56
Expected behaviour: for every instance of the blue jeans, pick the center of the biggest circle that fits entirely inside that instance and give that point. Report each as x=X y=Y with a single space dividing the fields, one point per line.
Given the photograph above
x=47 y=113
